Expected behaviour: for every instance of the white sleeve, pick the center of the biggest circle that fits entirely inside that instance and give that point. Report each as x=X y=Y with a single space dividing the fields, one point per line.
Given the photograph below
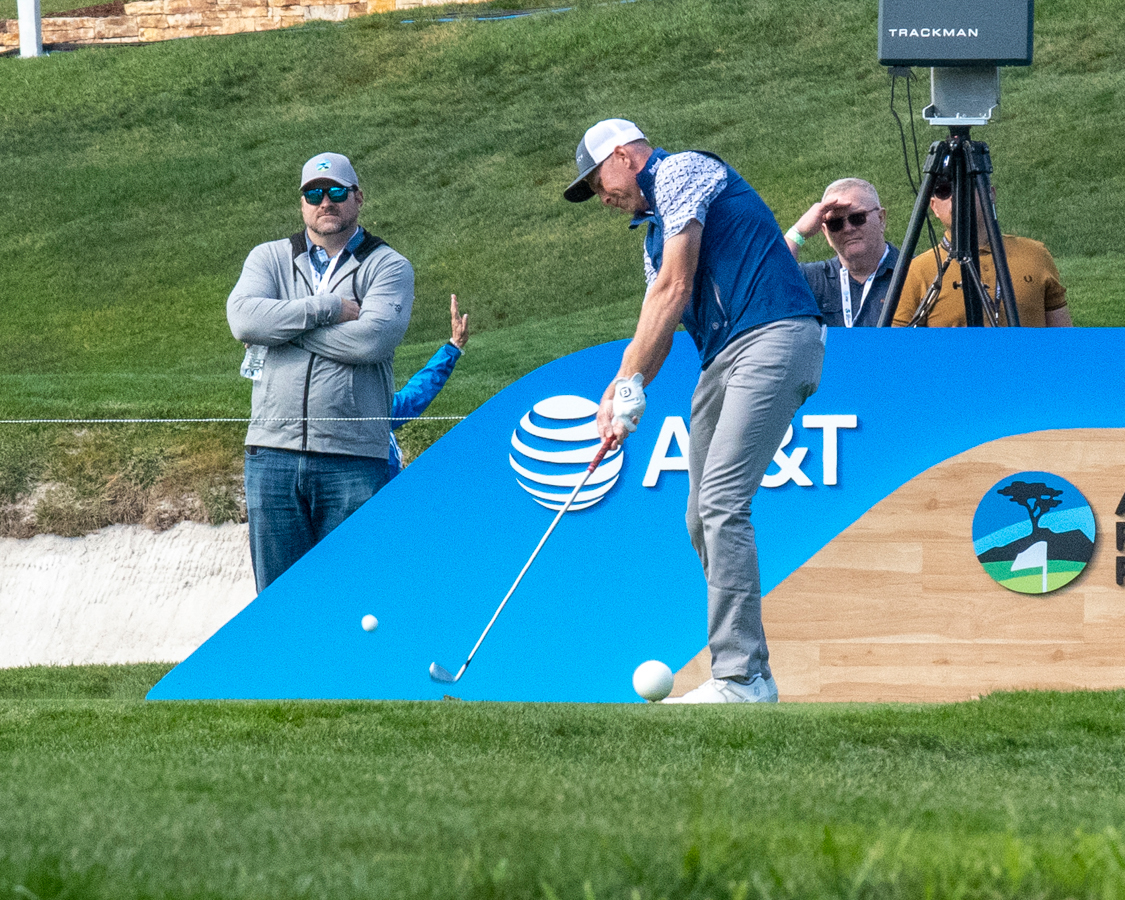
x=686 y=183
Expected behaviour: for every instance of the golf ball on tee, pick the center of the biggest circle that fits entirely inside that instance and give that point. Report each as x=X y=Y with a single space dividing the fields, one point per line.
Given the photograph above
x=652 y=680
x=369 y=622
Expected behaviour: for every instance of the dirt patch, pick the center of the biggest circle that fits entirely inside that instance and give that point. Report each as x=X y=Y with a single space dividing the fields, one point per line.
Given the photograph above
x=54 y=508
x=71 y=482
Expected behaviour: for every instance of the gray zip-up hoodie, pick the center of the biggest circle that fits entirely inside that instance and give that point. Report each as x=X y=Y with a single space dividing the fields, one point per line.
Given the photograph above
x=317 y=369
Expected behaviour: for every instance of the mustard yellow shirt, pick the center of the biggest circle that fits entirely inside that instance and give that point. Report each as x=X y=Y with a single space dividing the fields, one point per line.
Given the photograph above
x=1035 y=279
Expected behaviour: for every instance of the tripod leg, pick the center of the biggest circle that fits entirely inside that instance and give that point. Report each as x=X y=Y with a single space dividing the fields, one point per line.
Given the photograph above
x=971 y=282
x=932 y=166
x=965 y=247
x=1004 y=285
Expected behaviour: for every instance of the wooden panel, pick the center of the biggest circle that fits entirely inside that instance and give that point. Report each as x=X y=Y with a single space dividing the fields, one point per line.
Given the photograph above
x=897 y=607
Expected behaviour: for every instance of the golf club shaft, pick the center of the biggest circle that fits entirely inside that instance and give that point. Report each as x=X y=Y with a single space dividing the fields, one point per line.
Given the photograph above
x=573 y=494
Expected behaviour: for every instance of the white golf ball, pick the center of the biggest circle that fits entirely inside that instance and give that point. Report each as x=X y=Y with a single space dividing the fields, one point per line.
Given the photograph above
x=653 y=680
x=369 y=622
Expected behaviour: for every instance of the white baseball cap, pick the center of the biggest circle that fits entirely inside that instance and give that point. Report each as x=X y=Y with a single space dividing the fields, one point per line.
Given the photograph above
x=595 y=147
x=329 y=167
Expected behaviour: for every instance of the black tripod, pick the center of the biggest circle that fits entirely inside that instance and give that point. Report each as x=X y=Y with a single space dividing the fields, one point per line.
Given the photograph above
x=967 y=164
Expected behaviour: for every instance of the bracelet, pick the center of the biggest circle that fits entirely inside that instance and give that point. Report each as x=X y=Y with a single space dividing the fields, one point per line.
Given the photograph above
x=795 y=236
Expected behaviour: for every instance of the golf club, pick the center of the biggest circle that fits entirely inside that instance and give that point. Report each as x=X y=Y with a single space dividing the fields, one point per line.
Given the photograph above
x=439 y=673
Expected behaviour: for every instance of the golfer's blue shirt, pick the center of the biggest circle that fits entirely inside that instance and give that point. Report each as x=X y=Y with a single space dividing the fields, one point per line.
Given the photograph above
x=746 y=275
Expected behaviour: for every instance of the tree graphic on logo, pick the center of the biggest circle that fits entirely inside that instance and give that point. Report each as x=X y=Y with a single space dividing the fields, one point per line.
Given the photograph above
x=1036 y=498
x=1039 y=552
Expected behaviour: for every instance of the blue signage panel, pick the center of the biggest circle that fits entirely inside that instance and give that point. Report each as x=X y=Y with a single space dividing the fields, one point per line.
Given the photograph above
x=617 y=583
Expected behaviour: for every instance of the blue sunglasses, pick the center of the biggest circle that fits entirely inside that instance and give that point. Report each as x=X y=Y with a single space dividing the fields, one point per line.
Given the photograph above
x=336 y=193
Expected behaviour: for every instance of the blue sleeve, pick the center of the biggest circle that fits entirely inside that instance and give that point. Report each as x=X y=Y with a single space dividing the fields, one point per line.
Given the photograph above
x=419 y=391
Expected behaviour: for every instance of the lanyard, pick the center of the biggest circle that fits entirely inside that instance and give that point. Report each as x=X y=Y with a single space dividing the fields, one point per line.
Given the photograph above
x=846 y=289
x=320 y=282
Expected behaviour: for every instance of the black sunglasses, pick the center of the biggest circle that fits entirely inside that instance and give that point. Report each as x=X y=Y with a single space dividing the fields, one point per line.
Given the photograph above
x=336 y=193
x=943 y=190
x=855 y=219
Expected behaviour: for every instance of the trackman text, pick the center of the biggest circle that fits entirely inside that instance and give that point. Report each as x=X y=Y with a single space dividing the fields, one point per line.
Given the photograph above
x=933 y=32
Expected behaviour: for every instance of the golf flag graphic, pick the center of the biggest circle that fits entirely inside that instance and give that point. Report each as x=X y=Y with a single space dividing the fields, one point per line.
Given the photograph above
x=1034 y=557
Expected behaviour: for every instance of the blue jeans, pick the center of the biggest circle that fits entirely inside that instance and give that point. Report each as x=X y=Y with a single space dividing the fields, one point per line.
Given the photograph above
x=294 y=499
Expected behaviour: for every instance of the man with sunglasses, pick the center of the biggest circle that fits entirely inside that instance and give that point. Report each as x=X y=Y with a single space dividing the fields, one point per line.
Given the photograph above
x=850 y=287
x=715 y=260
x=926 y=301
x=327 y=306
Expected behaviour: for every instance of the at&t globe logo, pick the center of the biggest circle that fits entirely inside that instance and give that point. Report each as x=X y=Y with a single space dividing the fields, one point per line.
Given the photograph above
x=552 y=447
x=1033 y=532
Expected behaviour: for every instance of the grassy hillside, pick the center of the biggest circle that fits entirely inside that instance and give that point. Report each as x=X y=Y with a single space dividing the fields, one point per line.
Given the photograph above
x=149 y=172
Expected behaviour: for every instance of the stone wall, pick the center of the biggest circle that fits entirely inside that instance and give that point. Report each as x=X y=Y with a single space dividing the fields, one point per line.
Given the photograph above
x=162 y=20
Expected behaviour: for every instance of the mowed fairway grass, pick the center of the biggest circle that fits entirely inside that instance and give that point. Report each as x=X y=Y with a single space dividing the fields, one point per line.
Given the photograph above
x=1014 y=795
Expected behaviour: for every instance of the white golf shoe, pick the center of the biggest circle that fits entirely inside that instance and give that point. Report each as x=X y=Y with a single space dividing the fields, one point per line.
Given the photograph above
x=723 y=690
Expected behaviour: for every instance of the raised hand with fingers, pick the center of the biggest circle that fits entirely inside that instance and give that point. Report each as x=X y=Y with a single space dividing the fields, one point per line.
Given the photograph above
x=460 y=324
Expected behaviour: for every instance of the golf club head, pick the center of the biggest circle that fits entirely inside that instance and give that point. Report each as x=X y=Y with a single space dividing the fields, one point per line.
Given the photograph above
x=437 y=673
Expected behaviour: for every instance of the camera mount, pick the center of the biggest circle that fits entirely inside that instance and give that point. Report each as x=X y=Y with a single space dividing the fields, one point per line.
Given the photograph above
x=965 y=42
x=963 y=95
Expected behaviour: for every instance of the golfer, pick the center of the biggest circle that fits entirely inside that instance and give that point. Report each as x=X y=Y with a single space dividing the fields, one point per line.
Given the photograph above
x=716 y=261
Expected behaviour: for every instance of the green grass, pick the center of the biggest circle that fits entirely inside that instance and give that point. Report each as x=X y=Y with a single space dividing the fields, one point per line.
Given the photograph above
x=152 y=170
x=9 y=9
x=1059 y=572
x=144 y=177
x=1016 y=795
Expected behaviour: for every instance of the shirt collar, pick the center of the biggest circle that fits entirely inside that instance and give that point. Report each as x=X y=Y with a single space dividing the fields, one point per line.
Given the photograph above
x=318 y=256
x=947 y=244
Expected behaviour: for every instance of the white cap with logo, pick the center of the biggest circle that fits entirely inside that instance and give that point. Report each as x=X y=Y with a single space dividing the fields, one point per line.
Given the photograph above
x=329 y=167
x=595 y=147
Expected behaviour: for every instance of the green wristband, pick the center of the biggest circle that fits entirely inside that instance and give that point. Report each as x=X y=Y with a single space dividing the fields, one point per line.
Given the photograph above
x=795 y=236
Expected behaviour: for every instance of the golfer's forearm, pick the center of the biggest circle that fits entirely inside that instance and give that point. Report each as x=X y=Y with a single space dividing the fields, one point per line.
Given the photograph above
x=646 y=354
x=663 y=308
x=665 y=302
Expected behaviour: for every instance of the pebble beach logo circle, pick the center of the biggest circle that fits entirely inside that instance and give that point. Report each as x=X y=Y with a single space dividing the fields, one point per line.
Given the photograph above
x=1033 y=532
x=552 y=447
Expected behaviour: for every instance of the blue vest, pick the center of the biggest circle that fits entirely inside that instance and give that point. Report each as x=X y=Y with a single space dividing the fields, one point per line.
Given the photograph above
x=746 y=275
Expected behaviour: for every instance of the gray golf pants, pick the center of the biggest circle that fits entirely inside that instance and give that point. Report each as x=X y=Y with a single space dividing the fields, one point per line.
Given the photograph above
x=740 y=411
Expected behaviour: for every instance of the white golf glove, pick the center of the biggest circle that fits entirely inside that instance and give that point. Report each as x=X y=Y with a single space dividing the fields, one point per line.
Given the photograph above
x=629 y=401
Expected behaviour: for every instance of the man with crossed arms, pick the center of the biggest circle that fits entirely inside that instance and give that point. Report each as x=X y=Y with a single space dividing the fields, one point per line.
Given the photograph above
x=716 y=261
x=330 y=304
